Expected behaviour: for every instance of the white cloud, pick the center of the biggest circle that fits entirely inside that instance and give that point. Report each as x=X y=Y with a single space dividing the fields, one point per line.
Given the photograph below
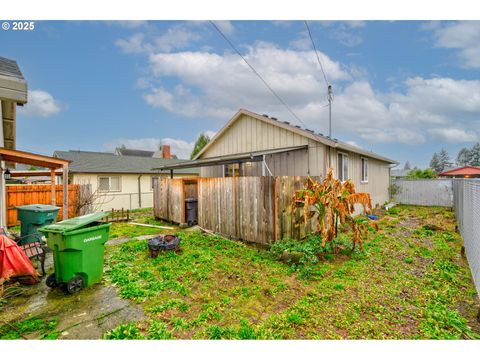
x=40 y=104
x=134 y=44
x=179 y=147
x=345 y=32
x=179 y=36
x=454 y=135
x=225 y=26
x=176 y=37
x=216 y=85
x=464 y=36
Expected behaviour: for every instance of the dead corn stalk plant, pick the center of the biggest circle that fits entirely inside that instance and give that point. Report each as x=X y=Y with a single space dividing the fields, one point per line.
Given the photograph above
x=334 y=202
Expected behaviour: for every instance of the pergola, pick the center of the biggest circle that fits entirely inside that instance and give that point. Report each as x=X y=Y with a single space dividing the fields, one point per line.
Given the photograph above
x=52 y=163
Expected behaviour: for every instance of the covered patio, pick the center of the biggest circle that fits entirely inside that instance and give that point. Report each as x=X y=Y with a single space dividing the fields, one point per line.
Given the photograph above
x=23 y=157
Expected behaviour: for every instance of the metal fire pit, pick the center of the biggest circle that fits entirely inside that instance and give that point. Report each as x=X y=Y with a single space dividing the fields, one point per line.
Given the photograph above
x=163 y=243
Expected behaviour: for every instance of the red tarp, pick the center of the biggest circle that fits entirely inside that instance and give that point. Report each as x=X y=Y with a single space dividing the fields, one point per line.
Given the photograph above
x=14 y=262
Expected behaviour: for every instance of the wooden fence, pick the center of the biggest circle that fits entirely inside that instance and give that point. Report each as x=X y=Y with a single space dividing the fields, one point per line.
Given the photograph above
x=253 y=209
x=18 y=195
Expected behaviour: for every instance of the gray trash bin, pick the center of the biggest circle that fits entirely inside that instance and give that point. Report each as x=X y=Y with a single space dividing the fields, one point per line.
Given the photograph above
x=191 y=206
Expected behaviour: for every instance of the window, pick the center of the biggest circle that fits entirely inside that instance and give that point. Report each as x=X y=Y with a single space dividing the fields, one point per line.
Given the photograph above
x=342 y=166
x=108 y=183
x=232 y=170
x=364 y=170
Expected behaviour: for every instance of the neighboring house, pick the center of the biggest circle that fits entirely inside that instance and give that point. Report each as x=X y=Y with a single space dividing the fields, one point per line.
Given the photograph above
x=13 y=92
x=257 y=145
x=461 y=172
x=118 y=181
x=163 y=153
x=399 y=173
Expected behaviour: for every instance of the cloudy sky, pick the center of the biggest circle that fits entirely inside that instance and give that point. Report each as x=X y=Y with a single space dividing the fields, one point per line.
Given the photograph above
x=403 y=89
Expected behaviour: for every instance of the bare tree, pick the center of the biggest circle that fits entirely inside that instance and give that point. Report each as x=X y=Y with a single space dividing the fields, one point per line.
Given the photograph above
x=87 y=201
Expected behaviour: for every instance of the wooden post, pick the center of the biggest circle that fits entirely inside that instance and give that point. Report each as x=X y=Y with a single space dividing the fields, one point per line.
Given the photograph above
x=54 y=190
x=65 y=192
x=171 y=174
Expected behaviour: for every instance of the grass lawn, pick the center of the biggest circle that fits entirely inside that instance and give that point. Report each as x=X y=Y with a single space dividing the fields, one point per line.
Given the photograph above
x=126 y=230
x=410 y=282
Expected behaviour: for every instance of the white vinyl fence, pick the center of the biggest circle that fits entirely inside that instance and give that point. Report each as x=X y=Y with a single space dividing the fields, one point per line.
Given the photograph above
x=425 y=192
x=466 y=194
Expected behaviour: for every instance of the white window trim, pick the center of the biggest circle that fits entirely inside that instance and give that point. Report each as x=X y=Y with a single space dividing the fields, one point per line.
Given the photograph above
x=362 y=161
x=110 y=183
x=344 y=155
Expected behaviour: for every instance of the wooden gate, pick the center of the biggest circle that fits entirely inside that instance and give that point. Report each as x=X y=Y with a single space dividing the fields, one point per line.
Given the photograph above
x=18 y=195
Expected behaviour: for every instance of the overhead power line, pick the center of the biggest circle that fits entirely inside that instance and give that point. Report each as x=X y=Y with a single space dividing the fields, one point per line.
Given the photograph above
x=329 y=87
x=316 y=53
x=256 y=73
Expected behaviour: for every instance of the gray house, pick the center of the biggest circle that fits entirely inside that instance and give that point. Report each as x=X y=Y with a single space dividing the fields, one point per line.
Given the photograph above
x=251 y=144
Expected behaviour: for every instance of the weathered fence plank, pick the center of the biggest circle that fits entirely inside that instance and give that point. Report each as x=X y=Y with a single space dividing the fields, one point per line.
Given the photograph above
x=254 y=209
x=169 y=200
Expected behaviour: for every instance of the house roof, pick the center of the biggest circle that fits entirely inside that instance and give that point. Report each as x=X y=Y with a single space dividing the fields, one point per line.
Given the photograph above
x=229 y=159
x=103 y=163
x=10 y=68
x=12 y=84
x=134 y=152
x=332 y=142
x=464 y=170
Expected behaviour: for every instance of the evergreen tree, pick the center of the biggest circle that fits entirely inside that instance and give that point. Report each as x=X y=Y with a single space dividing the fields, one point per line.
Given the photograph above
x=199 y=144
x=407 y=166
x=464 y=157
x=444 y=160
x=475 y=155
x=435 y=163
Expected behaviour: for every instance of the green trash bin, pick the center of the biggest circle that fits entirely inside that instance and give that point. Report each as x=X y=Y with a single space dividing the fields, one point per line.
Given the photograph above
x=31 y=218
x=78 y=246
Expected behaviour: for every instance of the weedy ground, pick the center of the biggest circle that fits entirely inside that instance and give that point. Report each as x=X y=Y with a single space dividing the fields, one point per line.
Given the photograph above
x=409 y=282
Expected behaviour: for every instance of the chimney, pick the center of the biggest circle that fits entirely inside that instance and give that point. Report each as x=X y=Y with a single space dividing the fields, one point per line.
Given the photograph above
x=166 y=152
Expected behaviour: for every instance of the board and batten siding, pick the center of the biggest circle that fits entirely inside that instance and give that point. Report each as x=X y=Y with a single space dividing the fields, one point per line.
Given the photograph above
x=249 y=134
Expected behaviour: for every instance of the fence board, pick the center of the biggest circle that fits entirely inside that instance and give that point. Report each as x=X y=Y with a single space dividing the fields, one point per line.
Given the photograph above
x=169 y=200
x=254 y=209
x=18 y=195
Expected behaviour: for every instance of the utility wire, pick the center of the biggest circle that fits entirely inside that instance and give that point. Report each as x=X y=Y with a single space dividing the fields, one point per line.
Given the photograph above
x=316 y=53
x=256 y=73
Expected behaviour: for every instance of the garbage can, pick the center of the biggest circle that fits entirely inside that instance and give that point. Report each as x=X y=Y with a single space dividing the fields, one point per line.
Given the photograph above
x=78 y=246
x=191 y=206
x=31 y=218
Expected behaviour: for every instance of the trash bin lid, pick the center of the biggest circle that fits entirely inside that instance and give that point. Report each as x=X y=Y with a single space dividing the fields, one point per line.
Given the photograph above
x=74 y=223
x=37 y=207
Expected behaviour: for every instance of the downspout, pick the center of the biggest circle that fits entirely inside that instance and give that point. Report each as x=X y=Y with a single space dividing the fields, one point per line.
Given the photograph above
x=139 y=192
